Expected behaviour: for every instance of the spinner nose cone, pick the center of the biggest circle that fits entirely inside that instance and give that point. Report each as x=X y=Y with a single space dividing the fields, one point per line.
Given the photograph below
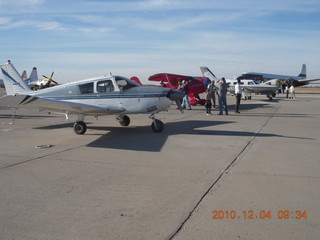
x=174 y=95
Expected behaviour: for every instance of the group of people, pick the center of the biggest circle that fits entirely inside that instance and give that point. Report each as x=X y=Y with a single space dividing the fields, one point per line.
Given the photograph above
x=220 y=88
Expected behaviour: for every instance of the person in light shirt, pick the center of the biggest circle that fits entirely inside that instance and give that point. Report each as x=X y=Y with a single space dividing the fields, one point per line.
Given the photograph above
x=292 y=92
x=238 y=94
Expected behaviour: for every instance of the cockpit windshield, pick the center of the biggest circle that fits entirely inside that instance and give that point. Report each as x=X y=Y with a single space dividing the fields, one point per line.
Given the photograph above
x=125 y=83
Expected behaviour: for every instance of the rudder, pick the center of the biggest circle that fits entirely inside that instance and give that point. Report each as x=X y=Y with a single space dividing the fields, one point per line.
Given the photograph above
x=303 y=73
x=207 y=73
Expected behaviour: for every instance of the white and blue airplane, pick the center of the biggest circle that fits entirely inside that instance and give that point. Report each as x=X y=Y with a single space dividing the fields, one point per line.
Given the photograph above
x=296 y=81
x=97 y=96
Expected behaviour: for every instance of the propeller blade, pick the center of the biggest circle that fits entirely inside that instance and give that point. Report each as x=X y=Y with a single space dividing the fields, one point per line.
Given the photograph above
x=179 y=105
x=52 y=75
x=175 y=95
x=44 y=76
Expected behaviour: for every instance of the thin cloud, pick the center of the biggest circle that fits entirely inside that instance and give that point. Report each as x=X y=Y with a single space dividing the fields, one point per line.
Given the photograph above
x=8 y=23
x=155 y=3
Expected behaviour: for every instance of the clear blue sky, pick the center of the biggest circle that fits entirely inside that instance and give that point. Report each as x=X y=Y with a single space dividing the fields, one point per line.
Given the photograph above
x=82 y=38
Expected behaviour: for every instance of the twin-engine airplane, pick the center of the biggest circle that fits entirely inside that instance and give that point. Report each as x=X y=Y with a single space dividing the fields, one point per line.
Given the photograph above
x=249 y=86
x=91 y=97
x=296 y=81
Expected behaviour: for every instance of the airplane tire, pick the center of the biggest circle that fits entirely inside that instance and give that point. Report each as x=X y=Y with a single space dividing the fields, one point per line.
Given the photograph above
x=249 y=97
x=273 y=94
x=157 y=126
x=79 y=128
x=124 y=121
x=270 y=98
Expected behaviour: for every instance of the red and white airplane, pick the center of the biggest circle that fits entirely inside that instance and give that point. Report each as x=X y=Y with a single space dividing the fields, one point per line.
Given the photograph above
x=197 y=85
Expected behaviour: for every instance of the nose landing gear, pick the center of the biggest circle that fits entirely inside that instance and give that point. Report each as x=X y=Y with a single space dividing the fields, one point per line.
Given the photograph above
x=157 y=125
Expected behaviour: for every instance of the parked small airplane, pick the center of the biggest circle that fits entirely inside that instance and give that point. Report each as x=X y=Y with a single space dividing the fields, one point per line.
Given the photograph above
x=91 y=97
x=35 y=83
x=296 y=81
x=197 y=85
x=249 y=86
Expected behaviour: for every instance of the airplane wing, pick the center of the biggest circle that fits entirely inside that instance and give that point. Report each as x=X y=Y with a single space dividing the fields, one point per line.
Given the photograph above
x=308 y=80
x=54 y=105
x=173 y=79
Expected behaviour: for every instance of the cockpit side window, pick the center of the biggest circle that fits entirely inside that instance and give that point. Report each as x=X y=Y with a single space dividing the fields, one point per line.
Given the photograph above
x=124 y=83
x=86 y=88
x=105 y=86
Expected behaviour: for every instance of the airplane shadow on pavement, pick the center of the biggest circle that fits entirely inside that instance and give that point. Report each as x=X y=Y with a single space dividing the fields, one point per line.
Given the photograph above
x=143 y=139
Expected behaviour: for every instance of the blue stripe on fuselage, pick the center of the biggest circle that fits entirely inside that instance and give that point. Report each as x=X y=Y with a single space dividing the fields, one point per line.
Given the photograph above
x=105 y=96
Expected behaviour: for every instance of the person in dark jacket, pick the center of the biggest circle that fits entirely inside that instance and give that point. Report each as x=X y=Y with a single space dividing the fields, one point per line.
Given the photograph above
x=185 y=101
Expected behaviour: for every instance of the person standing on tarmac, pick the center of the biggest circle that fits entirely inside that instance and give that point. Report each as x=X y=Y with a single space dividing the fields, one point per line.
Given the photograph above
x=222 y=87
x=211 y=90
x=185 y=100
x=238 y=94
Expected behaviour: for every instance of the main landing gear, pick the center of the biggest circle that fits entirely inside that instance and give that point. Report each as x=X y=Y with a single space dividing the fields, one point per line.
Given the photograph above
x=124 y=120
x=270 y=97
x=79 y=127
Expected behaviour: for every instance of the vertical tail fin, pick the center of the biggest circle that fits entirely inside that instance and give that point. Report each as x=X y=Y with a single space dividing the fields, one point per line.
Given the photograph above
x=33 y=75
x=24 y=75
x=303 y=73
x=13 y=82
x=207 y=73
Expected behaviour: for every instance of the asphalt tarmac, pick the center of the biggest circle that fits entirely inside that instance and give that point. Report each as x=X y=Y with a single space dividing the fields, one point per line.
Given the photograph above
x=253 y=175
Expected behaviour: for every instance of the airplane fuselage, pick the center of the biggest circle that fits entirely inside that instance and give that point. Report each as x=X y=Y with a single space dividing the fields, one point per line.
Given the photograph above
x=266 y=76
x=103 y=92
x=252 y=86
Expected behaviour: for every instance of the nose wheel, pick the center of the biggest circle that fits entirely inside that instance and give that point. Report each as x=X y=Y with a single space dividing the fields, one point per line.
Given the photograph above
x=156 y=125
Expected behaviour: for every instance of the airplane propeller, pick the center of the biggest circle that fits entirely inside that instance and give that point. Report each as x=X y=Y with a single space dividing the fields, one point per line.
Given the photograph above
x=289 y=81
x=175 y=95
x=48 y=77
